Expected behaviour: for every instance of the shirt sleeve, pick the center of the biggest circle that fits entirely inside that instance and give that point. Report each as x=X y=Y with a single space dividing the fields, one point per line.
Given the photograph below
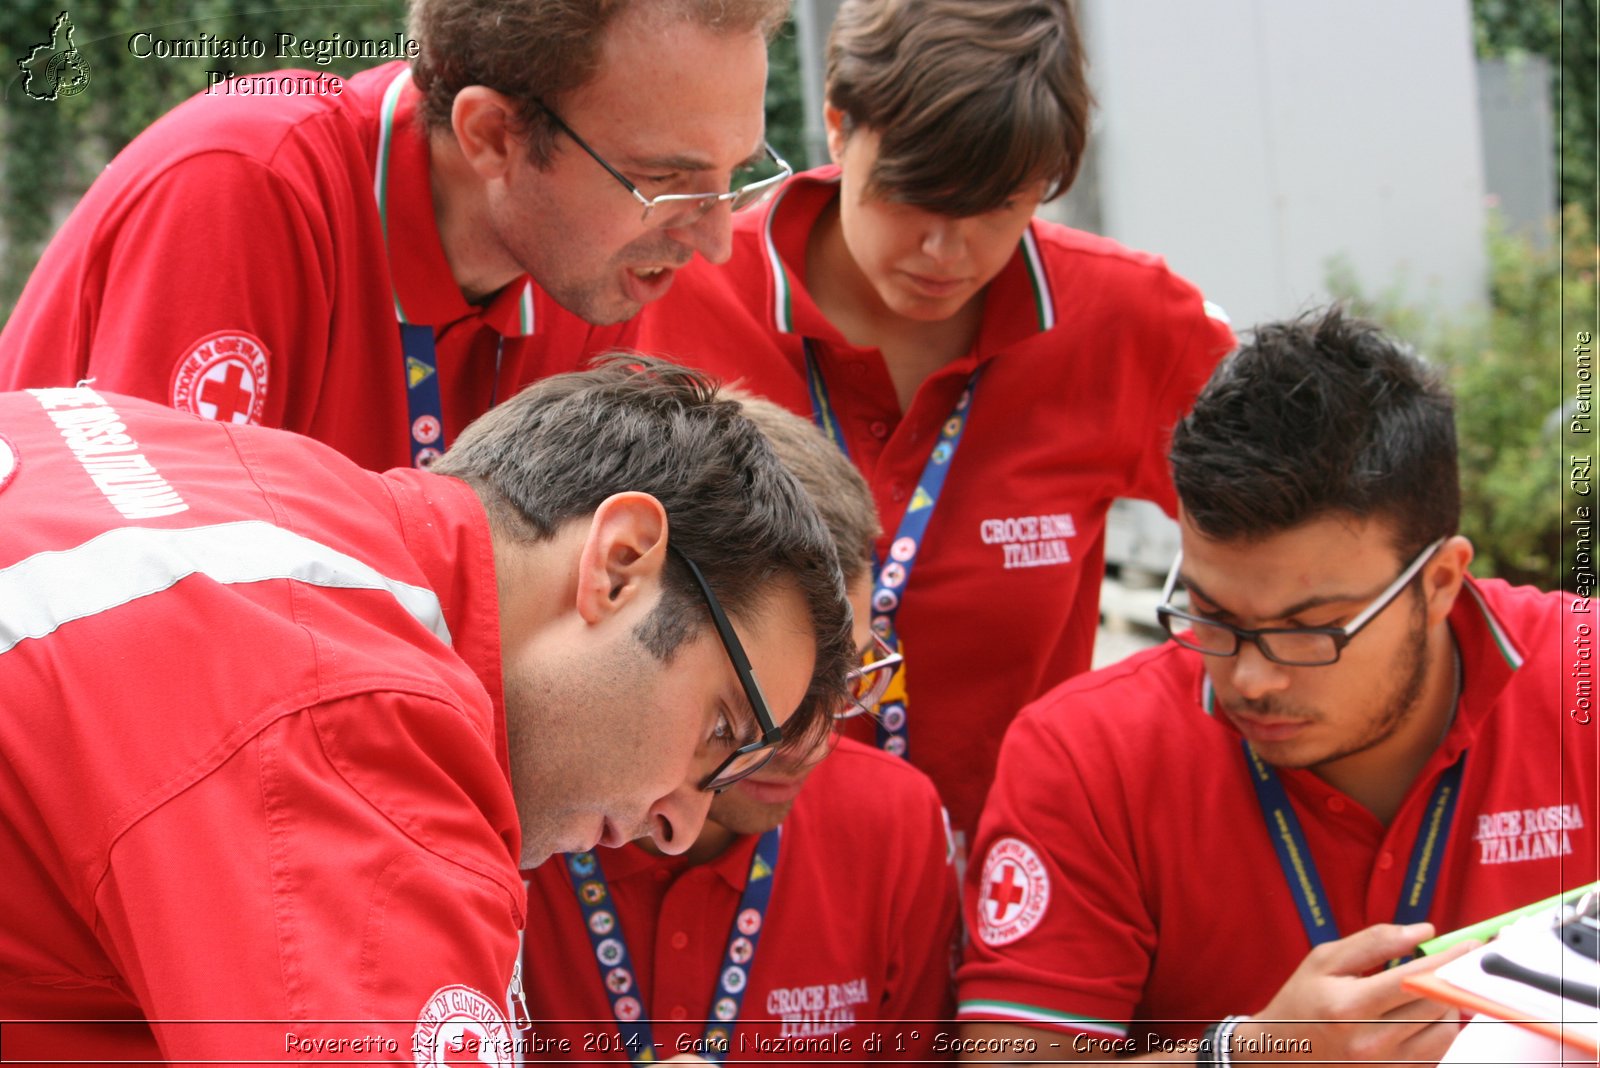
x=1198 y=334
x=920 y=983
x=217 y=259
x=1059 y=934
x=339 y=888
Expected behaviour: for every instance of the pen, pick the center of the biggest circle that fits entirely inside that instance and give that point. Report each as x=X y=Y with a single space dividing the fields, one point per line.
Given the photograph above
x=1583 y=993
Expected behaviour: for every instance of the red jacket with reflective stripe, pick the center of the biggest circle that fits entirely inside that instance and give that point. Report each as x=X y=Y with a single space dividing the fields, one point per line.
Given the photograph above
x=252 y=761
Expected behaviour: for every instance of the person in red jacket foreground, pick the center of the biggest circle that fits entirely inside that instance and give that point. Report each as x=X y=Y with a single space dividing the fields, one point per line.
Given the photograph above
x=279 y=731
x=998 y=379
x=810 y=919
x=1349 y=746
x=377 y=263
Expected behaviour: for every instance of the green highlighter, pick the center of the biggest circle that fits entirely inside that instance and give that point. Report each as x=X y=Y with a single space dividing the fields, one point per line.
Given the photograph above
x=1489 y=928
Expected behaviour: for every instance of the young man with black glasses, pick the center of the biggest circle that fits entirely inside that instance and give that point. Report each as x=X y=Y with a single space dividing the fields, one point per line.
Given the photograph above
x=280 y=732
x=377 y=266
x=1351 y=745
x=818 y=901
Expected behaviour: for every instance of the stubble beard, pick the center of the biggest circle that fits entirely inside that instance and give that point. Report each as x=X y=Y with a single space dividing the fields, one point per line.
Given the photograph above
x=1401 y=706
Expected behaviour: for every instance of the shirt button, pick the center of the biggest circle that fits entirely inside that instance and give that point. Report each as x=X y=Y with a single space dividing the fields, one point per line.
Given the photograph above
x=680 y=940
x=679 y=1012
x=898 y=492
x=879 y=428
x=1385 y=860
x=1335 y=804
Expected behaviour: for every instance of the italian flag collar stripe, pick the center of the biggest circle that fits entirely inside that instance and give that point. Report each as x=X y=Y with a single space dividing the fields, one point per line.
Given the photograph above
x=782 y=302
x=1043 y=299
x=380 y=177
x=1497 y=631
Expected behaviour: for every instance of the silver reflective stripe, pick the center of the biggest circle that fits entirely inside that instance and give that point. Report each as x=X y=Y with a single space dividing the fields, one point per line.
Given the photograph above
x=42 y=592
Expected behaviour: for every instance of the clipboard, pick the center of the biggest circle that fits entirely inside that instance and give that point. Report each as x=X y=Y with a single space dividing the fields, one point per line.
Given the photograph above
x=1573 y=1034
x=1535 y=944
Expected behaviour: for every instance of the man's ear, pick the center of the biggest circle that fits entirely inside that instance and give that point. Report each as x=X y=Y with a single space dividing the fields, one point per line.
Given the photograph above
x=484 y=122
x=834 y=121
x=1442 y=577
x=622 y=556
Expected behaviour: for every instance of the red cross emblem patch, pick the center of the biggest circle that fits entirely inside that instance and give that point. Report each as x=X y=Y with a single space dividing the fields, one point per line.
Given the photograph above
x=458 y=1025
x=1014 y=894
x=223 y=377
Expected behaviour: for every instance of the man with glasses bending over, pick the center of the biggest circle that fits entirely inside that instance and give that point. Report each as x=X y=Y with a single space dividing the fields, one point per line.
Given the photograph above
x=800 y=918
x=378 y=264
x=280 y=732
x=1349 y=746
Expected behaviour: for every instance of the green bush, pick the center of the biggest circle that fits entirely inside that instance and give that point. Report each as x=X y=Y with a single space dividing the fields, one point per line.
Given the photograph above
x=1511 y=368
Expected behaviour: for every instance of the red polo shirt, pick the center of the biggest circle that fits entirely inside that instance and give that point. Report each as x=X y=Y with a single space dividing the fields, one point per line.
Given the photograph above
x=858 y=930
x=248 y=258
x=1091 y=353
x=1102 y=898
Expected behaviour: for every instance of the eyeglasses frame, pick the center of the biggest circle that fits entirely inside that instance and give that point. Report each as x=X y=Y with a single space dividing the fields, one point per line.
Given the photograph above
x=1341 y=636
x=888 y=662
x=710 y=200
x=771 y=733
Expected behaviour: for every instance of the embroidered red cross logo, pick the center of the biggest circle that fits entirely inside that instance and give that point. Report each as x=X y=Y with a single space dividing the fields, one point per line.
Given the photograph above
x=1006 y=891
x=467 y=1048
x=228 y=394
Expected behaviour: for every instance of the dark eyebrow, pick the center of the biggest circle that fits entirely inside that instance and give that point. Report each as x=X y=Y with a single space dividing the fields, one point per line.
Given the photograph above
x=1293 y=610
x=668 y=163
x=691 y=163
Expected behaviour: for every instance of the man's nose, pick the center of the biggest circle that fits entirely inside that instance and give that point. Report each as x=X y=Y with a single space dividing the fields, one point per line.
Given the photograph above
x=711 y=234
x=676 y=820
x=1253 y=675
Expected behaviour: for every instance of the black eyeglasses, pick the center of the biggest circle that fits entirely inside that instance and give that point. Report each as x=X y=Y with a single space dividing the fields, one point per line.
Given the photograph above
x=1294 y=646
x=747 y=759
x=672 y=210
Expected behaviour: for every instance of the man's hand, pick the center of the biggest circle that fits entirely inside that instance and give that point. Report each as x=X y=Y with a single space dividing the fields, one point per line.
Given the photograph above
x=1348 y=1014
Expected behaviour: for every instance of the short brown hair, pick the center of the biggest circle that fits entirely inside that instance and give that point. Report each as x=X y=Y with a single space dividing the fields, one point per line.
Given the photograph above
x=972 y=99
x=536 y=51
x=836 y=487
x=553 y=452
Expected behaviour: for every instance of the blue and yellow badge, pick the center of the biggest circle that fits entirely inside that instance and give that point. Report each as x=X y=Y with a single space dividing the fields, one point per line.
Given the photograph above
x=417 y=371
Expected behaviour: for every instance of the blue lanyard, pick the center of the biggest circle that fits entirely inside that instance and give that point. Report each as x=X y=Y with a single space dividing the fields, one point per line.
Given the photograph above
x=616 y=964
x=419 y=362
x=425 y=411
x=1300 y=871
x=890 y=577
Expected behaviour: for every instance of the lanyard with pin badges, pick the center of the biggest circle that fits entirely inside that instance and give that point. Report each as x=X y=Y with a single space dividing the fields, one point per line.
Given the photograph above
x=890 y=577
x=615 y=963
x=419 y=360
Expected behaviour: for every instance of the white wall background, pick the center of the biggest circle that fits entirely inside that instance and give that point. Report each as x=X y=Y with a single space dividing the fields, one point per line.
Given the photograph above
x=1253 y=142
